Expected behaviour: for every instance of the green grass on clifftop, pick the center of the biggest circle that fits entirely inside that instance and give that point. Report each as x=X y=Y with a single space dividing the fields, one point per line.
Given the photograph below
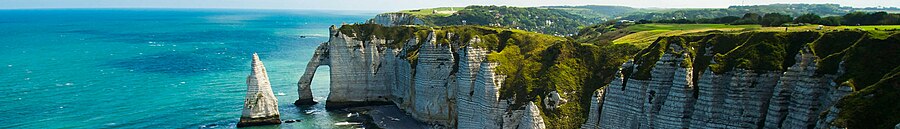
x=440 y=11
x=648 y=27
x=543 y=20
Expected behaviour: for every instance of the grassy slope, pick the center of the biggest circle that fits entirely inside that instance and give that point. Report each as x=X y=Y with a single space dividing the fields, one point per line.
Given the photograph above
x=646 y=27
x=874 y=107
x=647 y=33
x=696 y=13
x=441 y=11
x=644 y=34
x=873 y=70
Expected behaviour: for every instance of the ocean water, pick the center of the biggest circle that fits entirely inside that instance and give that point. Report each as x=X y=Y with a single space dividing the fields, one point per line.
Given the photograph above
x=156 y=68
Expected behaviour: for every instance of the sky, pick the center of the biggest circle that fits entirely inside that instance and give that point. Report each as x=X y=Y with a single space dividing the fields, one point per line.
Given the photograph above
x=392 y=5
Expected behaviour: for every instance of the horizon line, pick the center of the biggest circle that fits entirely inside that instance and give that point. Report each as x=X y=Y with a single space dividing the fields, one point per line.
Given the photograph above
x=391 y=10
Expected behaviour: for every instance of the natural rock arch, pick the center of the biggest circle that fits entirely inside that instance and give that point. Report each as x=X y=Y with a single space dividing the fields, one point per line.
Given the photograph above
x=320 y=58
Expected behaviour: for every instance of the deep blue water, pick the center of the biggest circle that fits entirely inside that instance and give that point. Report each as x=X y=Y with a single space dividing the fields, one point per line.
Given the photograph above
x=155 y=68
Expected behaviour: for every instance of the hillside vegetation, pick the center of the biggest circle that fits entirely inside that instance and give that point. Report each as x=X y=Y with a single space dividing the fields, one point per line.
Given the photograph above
x=644 y=34
x=597 y=12
x=601 y=12
x=563 y=20
x=547 y=21
x=788 y=9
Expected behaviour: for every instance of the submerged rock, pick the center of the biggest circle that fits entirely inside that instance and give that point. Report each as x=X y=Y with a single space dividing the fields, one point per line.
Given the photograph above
x=260 y=104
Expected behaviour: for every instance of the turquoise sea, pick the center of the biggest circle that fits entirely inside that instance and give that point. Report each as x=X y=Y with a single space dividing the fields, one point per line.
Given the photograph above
x=156 y=68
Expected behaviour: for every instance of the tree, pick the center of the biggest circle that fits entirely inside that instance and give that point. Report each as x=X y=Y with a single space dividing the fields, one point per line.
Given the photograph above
x=882 y=18
x=775 y=19
x=808 y=18
x=726 y=19
x=831 y=21
x=876 y=18
x=642 y=21
x=749 y=18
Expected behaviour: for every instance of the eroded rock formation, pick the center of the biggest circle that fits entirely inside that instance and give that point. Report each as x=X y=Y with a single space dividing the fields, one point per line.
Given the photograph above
x=260 y=104
x=353 y=65
x=448 y=85
x=319 y=58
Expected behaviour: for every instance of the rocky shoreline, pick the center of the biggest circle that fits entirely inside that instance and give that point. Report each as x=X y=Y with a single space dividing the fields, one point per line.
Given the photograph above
x=387 y=117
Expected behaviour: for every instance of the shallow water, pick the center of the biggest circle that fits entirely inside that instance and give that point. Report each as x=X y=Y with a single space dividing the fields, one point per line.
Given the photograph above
x=156 y=68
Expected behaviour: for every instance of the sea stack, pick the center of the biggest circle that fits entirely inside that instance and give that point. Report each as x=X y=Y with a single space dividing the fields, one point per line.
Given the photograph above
x=260 y=105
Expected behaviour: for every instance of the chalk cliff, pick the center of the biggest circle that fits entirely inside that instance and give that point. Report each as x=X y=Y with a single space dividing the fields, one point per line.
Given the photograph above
x=482 y=77
x=721 y=81
x=395 y=19
x=449 y=83
x=593 y=119
x=260 y=104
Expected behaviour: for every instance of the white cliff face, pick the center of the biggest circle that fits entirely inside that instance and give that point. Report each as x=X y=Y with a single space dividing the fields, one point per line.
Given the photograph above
x=260 y=104
x=488 y=108
x=396 y=19
x=470 y=59
x=399 y=74
x=739 y=98
x=445 y=85
x=593 y=119
x=808 y=94
x=353 y=67
x=622 y=105
x=432 y=82
x=478 y=101
x=532 y=118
